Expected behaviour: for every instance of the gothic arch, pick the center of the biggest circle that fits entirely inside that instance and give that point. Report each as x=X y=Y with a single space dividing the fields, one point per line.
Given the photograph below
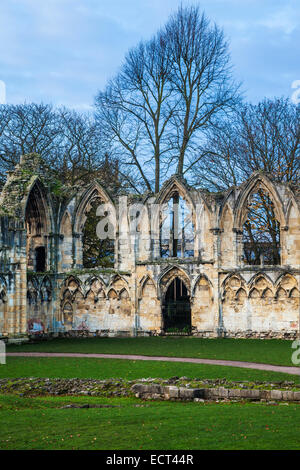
x=256 y=181
x=45 y=202
x=168 y=276
x=286 y=281
x=258 y=276
x=93 y=191
x=231 y=277
x=199 y=278
x=174 y=185
x=143 y=281
x=39 y=223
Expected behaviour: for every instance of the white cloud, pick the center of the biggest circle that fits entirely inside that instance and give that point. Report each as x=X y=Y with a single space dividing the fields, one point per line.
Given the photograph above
x=286 y=19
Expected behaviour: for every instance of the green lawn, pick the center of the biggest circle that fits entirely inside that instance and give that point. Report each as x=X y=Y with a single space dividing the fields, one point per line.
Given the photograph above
x=121 y=368
x=40 y=423
x=264 y=351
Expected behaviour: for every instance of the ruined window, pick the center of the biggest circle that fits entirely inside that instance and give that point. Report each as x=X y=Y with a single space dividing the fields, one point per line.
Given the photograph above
x=96 y=252
x=261 y=231
x=176 y=229
x=37 y=229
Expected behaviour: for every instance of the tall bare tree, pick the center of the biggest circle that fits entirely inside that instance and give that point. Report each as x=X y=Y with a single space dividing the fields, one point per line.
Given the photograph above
x=168 y=89
x=136 y=108
x=201 y=77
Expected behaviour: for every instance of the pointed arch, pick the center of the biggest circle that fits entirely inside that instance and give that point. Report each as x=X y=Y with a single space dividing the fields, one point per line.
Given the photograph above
x=95 y=190
x=267 y=293
x=294 y=294
x=37 y=186
x=287 y=281
x=144 y=281
x=174 y=221
x=118 y=282
x=254 y=293
x=199 y=278
x=168 y=276
x=233 y=280
x=256 y=181
x=112 y=293
x=174 y=184
x=281 y=294
x=124 y=294
x=260 y=276
x=39 y=223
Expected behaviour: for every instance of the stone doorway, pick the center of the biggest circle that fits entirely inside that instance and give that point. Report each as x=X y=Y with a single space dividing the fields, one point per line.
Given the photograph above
x=177 y=308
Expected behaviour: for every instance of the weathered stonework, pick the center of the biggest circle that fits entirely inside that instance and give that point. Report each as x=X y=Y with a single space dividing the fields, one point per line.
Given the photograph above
x=42 y=226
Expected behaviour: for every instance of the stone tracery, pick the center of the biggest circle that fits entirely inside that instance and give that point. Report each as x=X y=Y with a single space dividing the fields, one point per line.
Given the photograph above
x=51 y=292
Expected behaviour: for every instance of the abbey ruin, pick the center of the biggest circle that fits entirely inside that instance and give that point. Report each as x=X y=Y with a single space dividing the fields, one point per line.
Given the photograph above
x=204 y=282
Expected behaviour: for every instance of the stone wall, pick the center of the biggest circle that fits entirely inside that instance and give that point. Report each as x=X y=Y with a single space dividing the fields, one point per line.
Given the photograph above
x=226 y=297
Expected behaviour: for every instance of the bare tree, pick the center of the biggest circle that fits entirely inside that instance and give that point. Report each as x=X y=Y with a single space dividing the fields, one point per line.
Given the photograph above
x=201 y=78
x=263 y=137
x=137 y=107
x=70 y=143
x=82 y=149
x=167 y=91
x=26 y=128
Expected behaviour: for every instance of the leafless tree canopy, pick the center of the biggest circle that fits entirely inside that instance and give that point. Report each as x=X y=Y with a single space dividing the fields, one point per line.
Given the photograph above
x=264 y=137
x=69 y=142
x=168 y=90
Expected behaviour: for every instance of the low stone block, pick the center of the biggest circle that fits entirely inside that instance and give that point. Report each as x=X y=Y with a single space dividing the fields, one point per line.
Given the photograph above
x=276 y=394
x=246 y=393
x=156 y=388
x=139 y=388
x=288 y=395
x=186 y=393
x=254 y=394
x=265 y=394
x=296 y=396
x=234 y=393
x=172 y=392
x=222 y=392
x=211 y=393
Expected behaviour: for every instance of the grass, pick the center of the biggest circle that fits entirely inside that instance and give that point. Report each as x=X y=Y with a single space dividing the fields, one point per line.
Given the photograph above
x=121 y=368
x=276 y=352
x=40 y=423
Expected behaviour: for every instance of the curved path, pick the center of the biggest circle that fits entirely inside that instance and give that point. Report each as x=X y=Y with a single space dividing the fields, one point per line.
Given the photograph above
x=217 y=362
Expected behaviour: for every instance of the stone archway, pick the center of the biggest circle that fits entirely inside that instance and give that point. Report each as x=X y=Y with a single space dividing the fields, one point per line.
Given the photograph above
x=176 y=307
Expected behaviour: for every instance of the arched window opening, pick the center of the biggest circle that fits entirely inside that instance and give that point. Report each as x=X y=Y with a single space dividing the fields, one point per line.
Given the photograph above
x=37 y=231
x=96 y=252
x=176 y=229
x=261 y=231
x=176 y=308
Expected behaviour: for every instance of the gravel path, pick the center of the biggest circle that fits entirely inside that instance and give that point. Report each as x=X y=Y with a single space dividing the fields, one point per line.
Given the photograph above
x=218 y=362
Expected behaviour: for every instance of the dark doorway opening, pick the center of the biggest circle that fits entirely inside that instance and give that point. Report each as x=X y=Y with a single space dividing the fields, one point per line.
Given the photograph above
x=177 y=308
x=40 y=259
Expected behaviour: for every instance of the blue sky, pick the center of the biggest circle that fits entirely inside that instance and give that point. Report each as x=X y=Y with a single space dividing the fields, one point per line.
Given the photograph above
x=63 y=51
